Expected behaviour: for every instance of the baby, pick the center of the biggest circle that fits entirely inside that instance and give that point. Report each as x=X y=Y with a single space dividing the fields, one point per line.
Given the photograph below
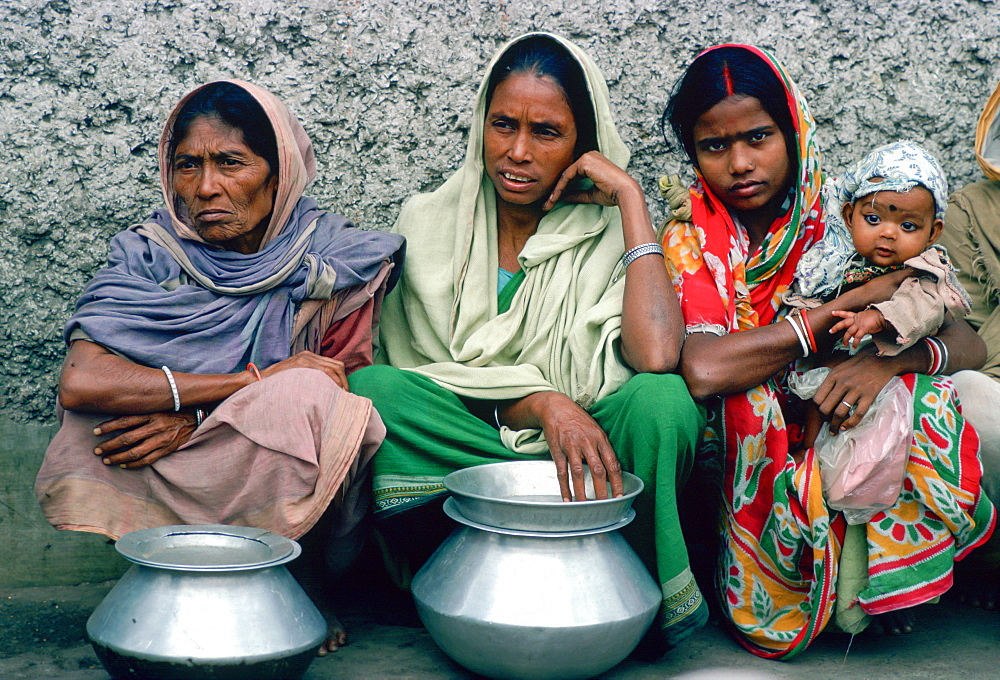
x=885 y=213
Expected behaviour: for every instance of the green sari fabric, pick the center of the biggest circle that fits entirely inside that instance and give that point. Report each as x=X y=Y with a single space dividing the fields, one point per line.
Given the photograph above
x=506 y=295
x=431 y=432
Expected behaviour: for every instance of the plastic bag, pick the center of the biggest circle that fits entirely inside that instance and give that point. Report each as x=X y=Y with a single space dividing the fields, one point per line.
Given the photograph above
x=862 y=469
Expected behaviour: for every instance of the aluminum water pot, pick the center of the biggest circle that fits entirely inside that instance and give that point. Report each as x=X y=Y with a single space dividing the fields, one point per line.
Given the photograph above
x=208 y=603
x=535 y=605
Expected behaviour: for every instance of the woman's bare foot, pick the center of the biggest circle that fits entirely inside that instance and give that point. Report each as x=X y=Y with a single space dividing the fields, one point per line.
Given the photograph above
x=336 y=636
x=899 y=622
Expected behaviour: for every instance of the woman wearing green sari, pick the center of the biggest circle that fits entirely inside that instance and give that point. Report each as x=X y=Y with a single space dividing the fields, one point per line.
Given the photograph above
x=515 y=333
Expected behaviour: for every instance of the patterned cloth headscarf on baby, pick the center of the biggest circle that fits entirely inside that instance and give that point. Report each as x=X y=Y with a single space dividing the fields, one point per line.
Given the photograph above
x=899 y=166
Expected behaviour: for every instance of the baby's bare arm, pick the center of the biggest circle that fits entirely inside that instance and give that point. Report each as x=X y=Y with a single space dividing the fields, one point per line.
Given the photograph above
x=858 y=325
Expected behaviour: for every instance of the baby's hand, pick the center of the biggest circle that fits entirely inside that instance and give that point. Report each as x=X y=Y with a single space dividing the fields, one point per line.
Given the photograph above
x=858 y=325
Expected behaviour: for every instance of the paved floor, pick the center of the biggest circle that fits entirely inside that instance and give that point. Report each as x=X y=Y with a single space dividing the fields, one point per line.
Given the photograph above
x=42 y=636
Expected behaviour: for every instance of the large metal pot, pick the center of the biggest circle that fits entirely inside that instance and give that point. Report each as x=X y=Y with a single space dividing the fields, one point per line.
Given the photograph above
x=509 y=603
x=207 y=602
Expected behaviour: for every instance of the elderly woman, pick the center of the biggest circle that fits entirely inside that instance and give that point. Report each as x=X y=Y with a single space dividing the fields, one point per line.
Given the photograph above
x=534 y=292
x=207 y=368
x=739 y=232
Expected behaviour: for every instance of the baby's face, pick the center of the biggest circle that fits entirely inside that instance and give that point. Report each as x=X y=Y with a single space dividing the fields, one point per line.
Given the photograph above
x=890 y=227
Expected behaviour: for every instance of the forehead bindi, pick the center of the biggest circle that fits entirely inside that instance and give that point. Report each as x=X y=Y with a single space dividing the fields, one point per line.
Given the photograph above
x=917 y=202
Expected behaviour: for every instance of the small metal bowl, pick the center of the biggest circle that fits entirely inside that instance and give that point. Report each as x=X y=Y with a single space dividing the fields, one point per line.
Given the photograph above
x=524 y=495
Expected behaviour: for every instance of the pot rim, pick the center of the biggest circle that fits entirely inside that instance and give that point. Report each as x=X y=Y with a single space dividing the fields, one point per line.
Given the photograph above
x=453 y=483
x=139 y=547
x=451 y=509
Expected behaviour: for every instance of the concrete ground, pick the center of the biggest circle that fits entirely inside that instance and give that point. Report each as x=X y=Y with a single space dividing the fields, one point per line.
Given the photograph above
x=42 y=636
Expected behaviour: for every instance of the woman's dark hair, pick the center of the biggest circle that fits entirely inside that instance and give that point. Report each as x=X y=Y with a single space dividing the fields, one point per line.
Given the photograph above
x=543 y=56
x=719 y=74
x=235 y=107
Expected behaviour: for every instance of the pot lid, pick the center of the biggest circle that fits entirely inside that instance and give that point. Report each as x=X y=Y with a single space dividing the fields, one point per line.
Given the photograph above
x=207 y=547
x=452 y=509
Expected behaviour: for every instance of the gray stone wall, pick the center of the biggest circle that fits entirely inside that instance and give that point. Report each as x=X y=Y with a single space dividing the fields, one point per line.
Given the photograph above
x=385 y=89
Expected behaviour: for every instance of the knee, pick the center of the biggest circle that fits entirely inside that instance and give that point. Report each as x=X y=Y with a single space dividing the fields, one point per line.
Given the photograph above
x=663 y=390
x=308 y=380
x=978 y=394
x=373 y=379
x=975 y=383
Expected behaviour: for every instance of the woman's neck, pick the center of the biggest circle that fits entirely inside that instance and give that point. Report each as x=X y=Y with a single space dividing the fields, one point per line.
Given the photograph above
x=515 y=225
x=758 y=222
x=756 y=228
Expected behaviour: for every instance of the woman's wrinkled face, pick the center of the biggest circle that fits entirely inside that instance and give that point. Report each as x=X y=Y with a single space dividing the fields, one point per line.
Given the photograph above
x=742 y=154
x=529 y=138
x=227 y=190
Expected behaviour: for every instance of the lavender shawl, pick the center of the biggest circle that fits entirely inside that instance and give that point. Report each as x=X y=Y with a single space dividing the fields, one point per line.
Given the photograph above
x=168 y=298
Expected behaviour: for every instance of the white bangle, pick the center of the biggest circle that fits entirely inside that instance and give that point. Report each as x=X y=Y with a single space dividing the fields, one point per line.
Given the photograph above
x=496 y=416
x=800 y=334
x=199 y=415
x=173 y=387
x=633 y=254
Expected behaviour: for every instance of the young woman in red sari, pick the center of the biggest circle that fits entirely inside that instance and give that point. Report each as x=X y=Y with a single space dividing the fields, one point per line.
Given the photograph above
x=732 y=248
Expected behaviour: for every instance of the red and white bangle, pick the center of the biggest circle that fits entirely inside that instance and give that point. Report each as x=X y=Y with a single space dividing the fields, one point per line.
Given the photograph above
x=800 y=333
x=807 y=327
x=939 y=356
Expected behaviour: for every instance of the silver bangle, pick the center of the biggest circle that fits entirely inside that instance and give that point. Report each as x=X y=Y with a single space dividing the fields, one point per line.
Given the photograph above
x=496 y=415
x=633 y=254
x=173 y=387
x=199 y=415
x=800 y=334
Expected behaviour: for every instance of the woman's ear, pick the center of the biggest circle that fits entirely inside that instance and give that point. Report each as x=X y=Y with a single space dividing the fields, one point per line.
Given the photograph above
x=937 y=226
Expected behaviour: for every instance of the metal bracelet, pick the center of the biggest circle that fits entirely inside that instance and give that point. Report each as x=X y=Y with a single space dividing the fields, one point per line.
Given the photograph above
x=939 y=356
x=173 y=387
x=633 y=254
x=800 y=334
x=199 y=415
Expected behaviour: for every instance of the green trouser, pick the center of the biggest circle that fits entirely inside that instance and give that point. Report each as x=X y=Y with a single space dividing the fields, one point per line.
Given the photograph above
x=652 y=424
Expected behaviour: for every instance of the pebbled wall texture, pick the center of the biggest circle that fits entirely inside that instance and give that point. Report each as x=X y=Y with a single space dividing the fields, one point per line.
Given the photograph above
x=385 y=89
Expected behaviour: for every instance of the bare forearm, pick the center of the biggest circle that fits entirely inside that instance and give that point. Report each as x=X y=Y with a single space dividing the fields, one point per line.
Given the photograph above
x=94 y=380
x=718 y=365
x=652 y=325
x=714 y=365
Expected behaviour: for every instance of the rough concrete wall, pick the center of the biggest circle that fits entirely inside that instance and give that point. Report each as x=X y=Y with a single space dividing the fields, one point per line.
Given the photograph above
x=385 y=89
